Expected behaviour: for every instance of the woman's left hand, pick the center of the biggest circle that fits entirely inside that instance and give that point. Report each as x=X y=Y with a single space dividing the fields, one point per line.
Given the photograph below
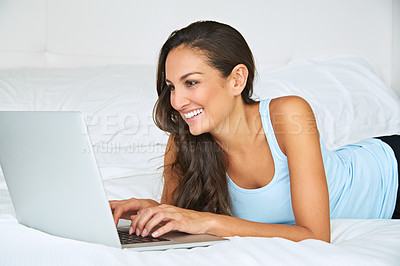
x=169 y=218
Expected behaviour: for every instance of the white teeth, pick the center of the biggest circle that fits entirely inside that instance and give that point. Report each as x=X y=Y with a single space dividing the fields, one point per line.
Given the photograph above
x=193 y=113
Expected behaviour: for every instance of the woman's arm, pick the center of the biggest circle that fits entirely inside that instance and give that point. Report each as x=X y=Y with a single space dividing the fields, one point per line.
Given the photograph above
x=194 y=222
x=297 y=134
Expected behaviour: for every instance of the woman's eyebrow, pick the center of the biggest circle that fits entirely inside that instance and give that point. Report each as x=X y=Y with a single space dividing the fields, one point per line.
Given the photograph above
x=185 y=76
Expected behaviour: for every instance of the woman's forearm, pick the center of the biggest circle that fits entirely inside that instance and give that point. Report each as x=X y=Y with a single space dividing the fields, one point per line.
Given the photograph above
x=222 y=225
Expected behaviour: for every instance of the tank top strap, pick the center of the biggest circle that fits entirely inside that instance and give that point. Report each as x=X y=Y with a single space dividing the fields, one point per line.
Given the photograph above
x=276 y=151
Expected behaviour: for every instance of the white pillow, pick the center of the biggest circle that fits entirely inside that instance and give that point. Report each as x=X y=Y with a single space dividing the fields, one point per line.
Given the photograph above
x=349 y=98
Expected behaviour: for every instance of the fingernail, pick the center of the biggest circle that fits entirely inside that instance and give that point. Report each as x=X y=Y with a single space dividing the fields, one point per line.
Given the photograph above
x=144 y=233
x=130 y=230
x=137 y=231
x=155 y=234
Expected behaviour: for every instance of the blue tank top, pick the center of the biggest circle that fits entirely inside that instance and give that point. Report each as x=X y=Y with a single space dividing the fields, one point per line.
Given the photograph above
x=362 y=181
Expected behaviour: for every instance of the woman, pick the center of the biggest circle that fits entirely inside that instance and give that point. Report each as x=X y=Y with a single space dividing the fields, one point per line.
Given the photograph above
x=235 y=166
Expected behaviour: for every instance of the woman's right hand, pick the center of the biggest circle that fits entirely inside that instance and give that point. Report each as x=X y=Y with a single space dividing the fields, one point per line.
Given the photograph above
x=124 y=209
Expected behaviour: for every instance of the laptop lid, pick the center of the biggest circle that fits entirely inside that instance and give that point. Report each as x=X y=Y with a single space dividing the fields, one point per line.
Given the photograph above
x=52 y=176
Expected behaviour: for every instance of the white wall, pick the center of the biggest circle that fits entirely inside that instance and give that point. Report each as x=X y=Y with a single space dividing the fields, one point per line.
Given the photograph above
x=66 y=33
x=396 y=47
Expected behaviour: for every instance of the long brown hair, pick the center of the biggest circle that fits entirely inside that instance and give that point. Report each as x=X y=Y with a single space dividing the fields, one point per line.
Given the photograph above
x=200 y=163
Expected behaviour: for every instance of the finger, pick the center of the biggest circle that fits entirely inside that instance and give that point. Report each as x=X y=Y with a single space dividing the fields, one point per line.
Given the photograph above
x=117 y=214
x=124 y=210
x=154 y=221
x=140 y=220
x=168 y=227
x=134 y=223
x=132 y=228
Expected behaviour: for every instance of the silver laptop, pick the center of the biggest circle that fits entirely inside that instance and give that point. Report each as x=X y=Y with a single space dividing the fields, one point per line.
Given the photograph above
x=55 y=184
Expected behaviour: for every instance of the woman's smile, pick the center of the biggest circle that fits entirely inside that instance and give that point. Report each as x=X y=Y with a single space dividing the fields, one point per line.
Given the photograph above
x=194 y=113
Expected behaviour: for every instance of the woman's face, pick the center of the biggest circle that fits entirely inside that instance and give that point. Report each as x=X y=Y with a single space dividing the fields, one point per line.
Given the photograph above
x=198 y=91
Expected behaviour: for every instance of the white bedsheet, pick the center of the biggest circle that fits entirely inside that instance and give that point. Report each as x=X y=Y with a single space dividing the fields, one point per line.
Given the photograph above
x=354 y=242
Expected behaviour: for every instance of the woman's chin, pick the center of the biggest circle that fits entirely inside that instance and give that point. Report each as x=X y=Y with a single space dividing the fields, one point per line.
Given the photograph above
x=195 y=132
x=196 y=127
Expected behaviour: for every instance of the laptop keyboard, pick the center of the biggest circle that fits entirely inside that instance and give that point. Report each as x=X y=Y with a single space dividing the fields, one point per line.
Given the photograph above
x=126 y=238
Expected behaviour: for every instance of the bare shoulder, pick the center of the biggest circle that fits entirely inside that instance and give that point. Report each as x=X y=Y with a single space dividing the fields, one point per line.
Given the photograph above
x=293 y=120
x=290 y=105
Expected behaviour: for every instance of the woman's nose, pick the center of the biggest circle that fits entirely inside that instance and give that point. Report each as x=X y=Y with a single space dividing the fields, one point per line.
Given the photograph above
x=179 y=99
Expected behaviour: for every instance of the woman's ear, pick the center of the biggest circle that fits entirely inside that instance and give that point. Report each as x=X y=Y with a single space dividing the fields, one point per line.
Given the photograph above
x=238 y=77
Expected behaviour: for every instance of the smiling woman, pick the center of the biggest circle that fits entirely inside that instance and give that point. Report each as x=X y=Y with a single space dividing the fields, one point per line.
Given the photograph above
x=235 y=166
x=203 y=60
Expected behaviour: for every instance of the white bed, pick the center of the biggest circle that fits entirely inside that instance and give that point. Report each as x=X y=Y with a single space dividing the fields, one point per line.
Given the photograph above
x=99 y=57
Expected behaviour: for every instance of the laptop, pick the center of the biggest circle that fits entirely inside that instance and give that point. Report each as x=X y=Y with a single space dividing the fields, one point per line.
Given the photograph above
x=55 y=184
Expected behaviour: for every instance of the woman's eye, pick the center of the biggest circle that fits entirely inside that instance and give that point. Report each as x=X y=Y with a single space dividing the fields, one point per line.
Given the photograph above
x=190 y=83
x=171 y=87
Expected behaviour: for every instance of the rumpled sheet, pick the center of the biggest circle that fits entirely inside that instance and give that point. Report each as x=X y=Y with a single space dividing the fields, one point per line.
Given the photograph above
x=354 y=242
